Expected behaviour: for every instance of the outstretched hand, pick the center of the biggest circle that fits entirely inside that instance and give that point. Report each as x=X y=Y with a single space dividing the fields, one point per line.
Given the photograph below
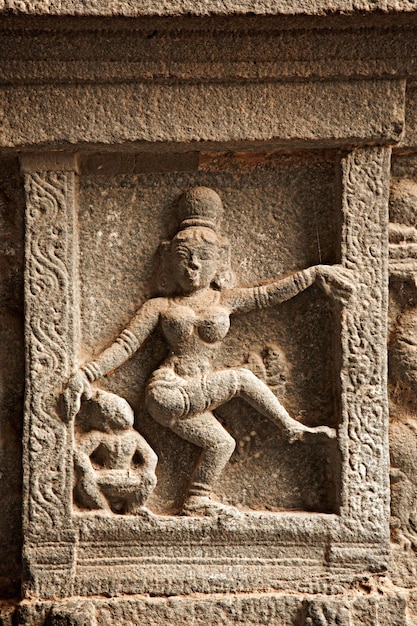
x=336 y=281
x=78 y=386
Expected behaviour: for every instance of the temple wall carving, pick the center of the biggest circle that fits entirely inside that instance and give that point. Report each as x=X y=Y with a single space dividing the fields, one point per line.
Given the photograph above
x=208 y=262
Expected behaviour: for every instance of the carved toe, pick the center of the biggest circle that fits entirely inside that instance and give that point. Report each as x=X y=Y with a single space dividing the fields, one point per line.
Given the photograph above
x=311 y=435
x=204 y=506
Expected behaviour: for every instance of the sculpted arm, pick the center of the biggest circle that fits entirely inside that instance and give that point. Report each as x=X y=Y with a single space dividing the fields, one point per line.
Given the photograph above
x=335 y=280
x=243 y=299
x=144 y=450
x=126 y=344
x=87 y=486
x=83 y=450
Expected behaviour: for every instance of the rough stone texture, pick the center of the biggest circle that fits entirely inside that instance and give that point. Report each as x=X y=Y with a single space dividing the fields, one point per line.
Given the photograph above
x=202 y=8
x=12 y=373
x=302 y=119
x=358 y=609
x=194 y=113
x=61 y=549
x=252 y=191
x=95 y=50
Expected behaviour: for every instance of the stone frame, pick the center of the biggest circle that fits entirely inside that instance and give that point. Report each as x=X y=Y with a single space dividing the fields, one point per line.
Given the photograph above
x=69 y=555
x=66 y=555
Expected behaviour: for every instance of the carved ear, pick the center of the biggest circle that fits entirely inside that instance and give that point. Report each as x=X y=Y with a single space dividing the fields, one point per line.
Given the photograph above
x=225 y=278
x=162 y=281
x=224 y=253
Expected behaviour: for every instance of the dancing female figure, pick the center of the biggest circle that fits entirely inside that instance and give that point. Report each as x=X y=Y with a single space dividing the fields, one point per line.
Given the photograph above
x=195 y=317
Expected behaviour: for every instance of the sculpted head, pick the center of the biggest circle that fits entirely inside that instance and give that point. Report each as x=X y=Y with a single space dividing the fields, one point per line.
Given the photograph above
x=197 y=257
x=106 y=412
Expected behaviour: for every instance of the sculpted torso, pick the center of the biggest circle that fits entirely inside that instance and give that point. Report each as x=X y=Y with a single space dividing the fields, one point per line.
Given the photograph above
x=194 y=329
x=187 y=322
x=115 y=467
x=114 y=453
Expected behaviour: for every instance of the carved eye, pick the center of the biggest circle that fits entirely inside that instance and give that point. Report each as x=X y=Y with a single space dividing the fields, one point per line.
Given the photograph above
x=182 y=253
x=207 y=255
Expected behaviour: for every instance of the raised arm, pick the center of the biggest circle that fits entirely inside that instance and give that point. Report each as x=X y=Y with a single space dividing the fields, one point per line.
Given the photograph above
x=336 y=281
x=243 y=299
x=126 y=344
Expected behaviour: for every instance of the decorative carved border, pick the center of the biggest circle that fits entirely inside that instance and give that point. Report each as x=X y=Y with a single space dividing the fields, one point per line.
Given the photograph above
x=364 y=432
x=51 y=329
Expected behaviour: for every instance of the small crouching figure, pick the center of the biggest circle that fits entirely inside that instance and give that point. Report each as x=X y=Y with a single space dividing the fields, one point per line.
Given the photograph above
x=114 y=465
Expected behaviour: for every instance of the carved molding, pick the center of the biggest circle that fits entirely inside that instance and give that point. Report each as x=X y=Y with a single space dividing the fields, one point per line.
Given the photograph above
x=51 y=332
x=364 y=368
x=280 y=114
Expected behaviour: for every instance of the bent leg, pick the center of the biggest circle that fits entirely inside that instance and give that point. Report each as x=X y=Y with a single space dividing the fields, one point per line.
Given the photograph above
x=194 y=397
x=217 y=446
x=223 y=385
x=256 y=393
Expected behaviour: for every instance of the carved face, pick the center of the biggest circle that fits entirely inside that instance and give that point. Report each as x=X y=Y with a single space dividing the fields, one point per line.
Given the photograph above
x=194 y=259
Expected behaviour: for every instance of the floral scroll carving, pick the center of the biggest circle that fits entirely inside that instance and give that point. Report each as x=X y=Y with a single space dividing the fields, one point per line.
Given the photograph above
x=364 y=249
x=49 y=306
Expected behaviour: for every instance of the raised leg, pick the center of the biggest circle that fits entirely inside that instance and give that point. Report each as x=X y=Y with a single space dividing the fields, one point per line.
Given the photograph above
x=185 y=406
x=256 y=393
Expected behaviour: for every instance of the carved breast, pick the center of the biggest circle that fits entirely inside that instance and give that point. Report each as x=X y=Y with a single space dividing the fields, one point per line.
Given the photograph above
x=182 y=322
x=215 y=327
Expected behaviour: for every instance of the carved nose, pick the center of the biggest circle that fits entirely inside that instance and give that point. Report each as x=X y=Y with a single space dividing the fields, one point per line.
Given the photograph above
x=194 y=264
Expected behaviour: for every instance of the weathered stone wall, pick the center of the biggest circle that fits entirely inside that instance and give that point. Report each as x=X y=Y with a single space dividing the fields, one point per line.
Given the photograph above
x=303 y=120
x=12 y=372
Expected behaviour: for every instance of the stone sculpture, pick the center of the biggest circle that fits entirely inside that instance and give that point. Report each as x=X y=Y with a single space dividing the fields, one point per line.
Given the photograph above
x=194 y=314
x=114 y=464
x=303 y=115
x=324 y=613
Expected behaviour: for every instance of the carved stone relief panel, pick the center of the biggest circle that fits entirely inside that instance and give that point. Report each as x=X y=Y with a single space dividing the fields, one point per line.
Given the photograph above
x=51 y=333
x=114 y=466
x=256 y=245
x=211 y=432
x=195 y=401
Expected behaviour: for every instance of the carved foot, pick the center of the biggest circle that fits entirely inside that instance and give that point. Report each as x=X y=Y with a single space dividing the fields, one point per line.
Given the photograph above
x=140 y=511
x=204 y=506
x=306 y=434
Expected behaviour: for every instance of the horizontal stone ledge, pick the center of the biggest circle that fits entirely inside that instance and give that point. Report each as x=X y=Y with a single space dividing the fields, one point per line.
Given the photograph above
x=49 y=161
x=29 y=72
x=203 y=7
x=253 y=609
x=137 y=51
x=326 y=112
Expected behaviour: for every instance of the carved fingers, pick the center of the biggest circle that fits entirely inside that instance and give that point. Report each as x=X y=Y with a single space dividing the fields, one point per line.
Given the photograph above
x=336 y=281
x=78 y=386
